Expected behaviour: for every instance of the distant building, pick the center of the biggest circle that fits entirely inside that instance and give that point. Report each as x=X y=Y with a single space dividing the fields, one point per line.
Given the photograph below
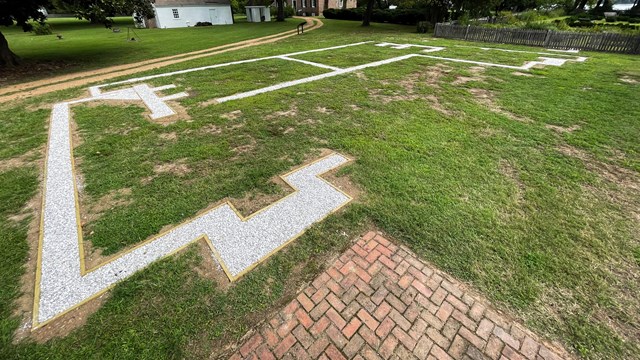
x=316 y=7
x=257 y=12
x=185 y=13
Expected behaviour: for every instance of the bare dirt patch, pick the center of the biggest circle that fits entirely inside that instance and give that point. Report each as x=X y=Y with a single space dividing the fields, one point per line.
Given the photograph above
x=178 y=168
x=562 y=129
x=248 y=146
x=233 y=115
x=615 y=174
x=629 y=80
x=21 y=160
x=324 y=110
x=181 y=114
x=485 y=97
x=518 y=73
x=209 y=268
x=435 y=103
x=354 y=107
x=211 y=129
x=293 y=111
x=254 y=201
x=168 y=136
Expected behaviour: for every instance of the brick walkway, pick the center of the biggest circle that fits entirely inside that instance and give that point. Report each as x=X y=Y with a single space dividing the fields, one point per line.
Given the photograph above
x=380 y=301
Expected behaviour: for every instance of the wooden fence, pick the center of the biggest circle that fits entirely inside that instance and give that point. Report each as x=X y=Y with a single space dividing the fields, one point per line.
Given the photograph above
x=607 y=42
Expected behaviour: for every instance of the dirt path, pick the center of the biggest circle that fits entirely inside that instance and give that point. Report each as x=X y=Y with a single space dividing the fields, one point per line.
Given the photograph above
x=39 y=87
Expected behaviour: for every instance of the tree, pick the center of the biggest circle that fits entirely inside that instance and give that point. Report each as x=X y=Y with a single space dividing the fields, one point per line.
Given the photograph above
x=22 y=12
x=19 y=12
x=280 y=5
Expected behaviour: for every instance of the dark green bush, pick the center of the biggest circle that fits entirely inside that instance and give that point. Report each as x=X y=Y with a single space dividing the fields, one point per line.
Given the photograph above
x=41 y=29
x=397 y=16
x=288 y=11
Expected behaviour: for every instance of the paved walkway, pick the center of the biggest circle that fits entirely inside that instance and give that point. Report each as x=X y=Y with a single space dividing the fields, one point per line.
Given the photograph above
x=379 y=301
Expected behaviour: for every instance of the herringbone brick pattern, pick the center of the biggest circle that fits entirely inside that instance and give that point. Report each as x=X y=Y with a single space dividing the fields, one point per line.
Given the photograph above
x=379 y=301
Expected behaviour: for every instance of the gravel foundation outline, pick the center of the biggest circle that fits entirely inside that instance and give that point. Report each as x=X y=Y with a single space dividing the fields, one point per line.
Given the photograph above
x=238 y=243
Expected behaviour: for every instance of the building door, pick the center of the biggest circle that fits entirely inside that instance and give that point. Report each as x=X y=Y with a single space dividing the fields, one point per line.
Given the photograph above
x=213 y=15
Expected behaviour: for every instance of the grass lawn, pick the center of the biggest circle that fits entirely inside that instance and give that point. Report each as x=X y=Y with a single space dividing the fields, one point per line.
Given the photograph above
x=526 y=187
x=86 y=46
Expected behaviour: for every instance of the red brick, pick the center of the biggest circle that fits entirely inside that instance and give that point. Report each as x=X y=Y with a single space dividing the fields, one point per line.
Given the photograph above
x=284 y=345
x=458 y=347
x=349 y=280
x=369 y=353
x=440 y=354
x=404 y=338
x=333 y=353
x=464 y=320
x=375 y=268
x=485 y=328
x=335 y=287
x=387 y=262
x=320 y=280
x=400 y=320
x=348 y=268
x=412 y=312
x=438 y=296
x=382 y=310
x=359 y=250
x=402 y=267
x=378 y=295
x=506 y=337
x=424 y=290
x=450 y=328
x=336 y=336
x=476 y=311
x=334 y=273
x=351 y=327
x=336 y=318
x=438 y=338
x=529 y=348
x=304 y=338
x=472 y=338
x=512 y=354
x=418 y=328
x=364 y=287
x=457 y=303
x=286 y=327
x=363 y=274
x=236 y=356
x=318 y=347
x=319 y=310
x=372 y=256
x=270 y=336
x=290 y=308
x=385 y=327
x=304 y=318
x=369 y=336
x=388 y=346
x=319 y=295
x=452 y=289
x=353 y=346
x=432 y=319
x=494 y=347
x=335 y=302
x=368 y=236
x=396 y=303
x=319 y=326
x=547 y=354
x=423 y=346
x=306 y=303
x=361 y=264
x=251 y=344
x=263 y=353
x=351 y=310
x=445 y=311
x=368 y=319
x=405 y=281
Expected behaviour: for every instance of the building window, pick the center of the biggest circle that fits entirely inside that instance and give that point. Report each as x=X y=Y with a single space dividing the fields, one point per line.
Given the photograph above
x=294 y=4
x=340 y=3
x=176 y=15
x=313 y=3
x=304 y=3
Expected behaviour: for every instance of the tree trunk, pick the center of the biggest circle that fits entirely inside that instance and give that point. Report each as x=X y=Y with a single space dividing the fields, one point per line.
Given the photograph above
x=280 y=16
x=366 y=19
x=7 y=57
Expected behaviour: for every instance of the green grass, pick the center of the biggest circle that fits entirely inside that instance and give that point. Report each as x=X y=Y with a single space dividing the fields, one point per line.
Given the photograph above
x=87 y=46
x=547 y=236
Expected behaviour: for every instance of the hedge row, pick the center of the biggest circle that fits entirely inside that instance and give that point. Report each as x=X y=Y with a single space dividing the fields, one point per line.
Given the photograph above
x=397 y=16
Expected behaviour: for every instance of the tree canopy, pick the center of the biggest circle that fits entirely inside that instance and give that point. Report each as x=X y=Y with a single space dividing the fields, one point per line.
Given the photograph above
x=23 y=12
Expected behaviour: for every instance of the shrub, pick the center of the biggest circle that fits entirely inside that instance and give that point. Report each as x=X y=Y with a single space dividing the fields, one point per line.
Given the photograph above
x=397 y=16
x=41 y=29
x=203 y=23
x=288 y=11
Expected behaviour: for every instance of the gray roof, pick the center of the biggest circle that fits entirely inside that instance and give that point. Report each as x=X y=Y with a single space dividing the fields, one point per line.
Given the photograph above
x=189 y=2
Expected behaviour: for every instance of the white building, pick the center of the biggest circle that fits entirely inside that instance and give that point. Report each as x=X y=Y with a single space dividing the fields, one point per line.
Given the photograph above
x=185 y=13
